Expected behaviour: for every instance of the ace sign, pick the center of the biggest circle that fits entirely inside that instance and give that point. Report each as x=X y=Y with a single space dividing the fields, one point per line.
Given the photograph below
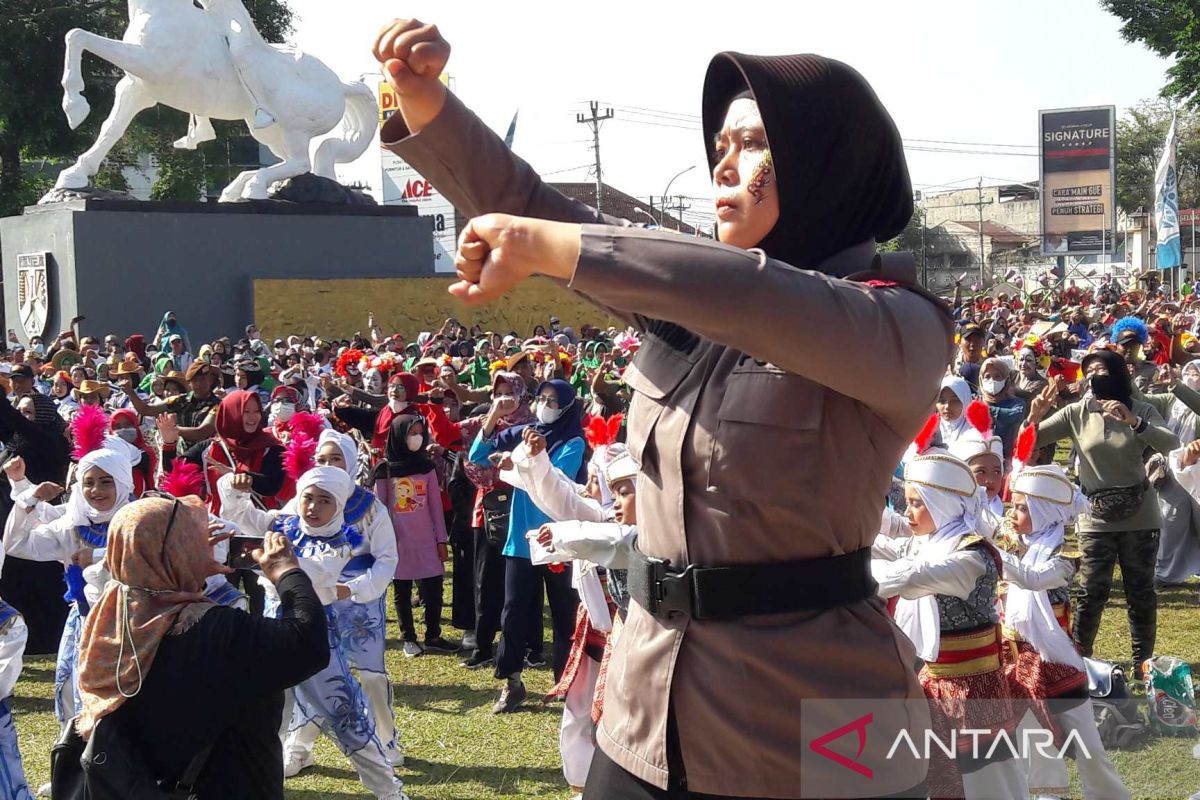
x=402 y=185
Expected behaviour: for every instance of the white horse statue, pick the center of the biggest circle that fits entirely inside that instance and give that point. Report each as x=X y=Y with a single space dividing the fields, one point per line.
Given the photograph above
x=211 y=62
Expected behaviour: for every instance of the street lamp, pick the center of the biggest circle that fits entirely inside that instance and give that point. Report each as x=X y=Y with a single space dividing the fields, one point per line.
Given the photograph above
x=648 y=216
x=668 y=189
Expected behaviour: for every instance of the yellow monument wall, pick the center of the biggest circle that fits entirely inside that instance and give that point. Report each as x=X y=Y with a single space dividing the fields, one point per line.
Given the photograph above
x=337 y=308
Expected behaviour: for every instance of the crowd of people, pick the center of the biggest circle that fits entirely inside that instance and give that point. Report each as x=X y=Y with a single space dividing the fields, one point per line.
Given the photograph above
x=734 y=502
x=379 y=461
x=371 y=463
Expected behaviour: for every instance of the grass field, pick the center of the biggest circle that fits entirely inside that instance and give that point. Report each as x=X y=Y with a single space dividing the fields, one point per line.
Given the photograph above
x=456 y=749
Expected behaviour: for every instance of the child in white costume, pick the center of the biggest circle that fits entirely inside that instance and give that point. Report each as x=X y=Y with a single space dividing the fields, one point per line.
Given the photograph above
x=75 y=534
x=944 y=575
x=361 y=607
x=592 y=530
x=323 y=543
x=1042 y=662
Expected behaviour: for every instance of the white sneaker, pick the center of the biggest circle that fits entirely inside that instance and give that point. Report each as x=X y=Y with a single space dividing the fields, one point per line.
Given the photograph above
x=412 y=649
x=296 y=762
x=44 y=790
x=396 y=795
x=469 y=642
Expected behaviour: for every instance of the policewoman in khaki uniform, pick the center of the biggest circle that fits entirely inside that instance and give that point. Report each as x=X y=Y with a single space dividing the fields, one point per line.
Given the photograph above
x=774 y=395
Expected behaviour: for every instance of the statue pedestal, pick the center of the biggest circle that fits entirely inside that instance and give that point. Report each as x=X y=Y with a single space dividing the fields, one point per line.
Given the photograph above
x=123 y=264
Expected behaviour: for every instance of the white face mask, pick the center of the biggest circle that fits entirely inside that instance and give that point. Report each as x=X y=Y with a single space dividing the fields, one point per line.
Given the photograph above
x=547 y=415
x=284 y=411
x=415 y=441
x=128 y=434
x=397 y=405
x=993 y=386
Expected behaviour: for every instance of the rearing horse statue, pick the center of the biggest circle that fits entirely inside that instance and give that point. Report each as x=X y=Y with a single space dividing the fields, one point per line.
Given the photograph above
x=211 y=62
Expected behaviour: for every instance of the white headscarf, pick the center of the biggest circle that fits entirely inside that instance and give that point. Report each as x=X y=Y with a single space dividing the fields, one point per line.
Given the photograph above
x=598 y=466
x=115 y=463
x=1182 y=420
x=955 y=516
x=952 y=430
x=1029 y=611
x=345 y=443
x=338 y=484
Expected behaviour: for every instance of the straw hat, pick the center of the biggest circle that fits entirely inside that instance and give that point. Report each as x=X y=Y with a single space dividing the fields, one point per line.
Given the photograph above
x=91 y=387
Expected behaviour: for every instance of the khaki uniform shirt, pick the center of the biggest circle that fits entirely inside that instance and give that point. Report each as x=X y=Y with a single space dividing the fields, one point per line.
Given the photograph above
x=771 y=434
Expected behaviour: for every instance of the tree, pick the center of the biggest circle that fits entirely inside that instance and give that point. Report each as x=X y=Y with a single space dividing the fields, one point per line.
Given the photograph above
x=34 y=135
x=1141 y=135
x=911 y=239
x=1168 y=28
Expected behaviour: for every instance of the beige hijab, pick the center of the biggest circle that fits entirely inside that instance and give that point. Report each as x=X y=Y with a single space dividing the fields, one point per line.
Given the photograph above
x=159 y=557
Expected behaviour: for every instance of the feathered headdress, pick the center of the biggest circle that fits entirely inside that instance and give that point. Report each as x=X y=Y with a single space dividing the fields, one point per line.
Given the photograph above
x=980 y=417
x=300 y=455
x=304 y=423
x=88 y=429
x=183 y=480
x=1023 y=451
x=1130 y=324
x=351 y=356
x=925 y=436
x=601 y=432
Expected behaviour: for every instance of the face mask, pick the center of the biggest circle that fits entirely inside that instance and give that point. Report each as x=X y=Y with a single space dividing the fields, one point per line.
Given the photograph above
x=1106 y=387
x=547 y=415
x=128 y=434
x=284 y=411
x=396 y=405
x=415 y=441
x=993 y=386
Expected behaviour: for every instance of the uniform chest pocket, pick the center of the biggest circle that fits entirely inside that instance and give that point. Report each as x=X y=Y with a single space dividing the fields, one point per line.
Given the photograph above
x=654 y=376
x=768 y=425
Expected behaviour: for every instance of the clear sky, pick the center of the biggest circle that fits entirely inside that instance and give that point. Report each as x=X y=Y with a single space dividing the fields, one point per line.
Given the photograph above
x=972 y=72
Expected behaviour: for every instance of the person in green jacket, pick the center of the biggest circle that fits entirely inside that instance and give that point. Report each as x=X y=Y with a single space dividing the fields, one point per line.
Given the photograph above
x=1111 y=430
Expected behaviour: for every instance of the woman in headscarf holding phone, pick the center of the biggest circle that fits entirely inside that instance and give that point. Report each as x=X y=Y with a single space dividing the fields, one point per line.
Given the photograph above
x=742 y=427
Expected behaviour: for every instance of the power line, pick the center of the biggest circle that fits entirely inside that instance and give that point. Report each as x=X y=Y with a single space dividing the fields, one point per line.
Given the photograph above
x=564 y=169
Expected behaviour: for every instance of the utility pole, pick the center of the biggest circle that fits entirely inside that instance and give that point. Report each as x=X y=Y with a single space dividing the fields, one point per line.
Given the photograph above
x=594 y=121
x=982 y=260
x=679 y=208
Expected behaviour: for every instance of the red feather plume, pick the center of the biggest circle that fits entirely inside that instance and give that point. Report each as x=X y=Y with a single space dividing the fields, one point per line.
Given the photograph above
x=1025 y=444
x=980 y=417
x=183 y=480
x=614 y=426
x=300 y=455
x=926 y=435
x=306 y=424
x=88 y=429
x=596 y=432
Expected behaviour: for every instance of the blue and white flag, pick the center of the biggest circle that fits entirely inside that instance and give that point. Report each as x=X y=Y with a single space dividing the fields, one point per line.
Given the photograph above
x=1166 y=205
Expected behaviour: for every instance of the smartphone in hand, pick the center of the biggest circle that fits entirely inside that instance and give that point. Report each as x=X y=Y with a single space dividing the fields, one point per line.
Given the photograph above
x=241 y=549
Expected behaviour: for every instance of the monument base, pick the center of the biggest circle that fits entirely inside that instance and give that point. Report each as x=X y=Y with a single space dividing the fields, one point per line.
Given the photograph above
x=123 y=264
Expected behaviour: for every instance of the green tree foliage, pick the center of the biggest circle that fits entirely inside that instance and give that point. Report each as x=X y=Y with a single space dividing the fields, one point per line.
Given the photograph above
x=1170 y=28
x=1141 y=134
x=34 y=135
x=909 y=239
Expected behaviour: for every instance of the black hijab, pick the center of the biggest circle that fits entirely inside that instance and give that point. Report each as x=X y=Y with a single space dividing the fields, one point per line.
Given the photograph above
x=400 y=462
x=1117 y=385
x=838 y=158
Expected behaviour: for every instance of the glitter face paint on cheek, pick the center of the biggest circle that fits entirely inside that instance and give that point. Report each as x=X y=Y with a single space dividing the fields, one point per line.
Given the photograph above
x=761 y=178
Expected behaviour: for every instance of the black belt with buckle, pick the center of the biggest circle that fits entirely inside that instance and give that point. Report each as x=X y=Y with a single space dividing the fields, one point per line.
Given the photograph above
x=780 y=587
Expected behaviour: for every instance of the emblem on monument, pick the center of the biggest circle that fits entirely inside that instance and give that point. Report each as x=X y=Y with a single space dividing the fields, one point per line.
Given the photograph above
x=33 y=293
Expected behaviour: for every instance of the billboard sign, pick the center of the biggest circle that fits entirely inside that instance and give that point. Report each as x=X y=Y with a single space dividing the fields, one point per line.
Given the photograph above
x=1078 y=173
